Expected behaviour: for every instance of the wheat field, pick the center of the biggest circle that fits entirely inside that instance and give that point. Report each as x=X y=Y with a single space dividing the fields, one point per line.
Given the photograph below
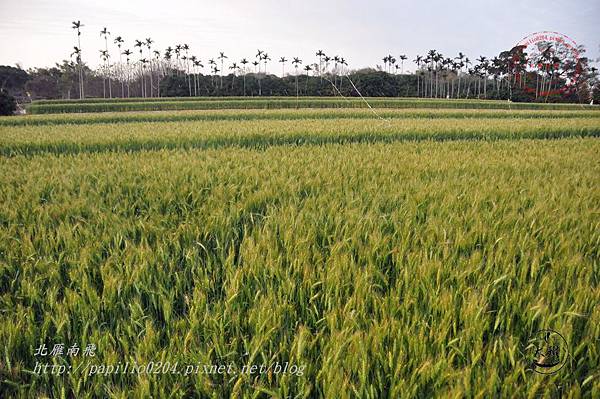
x=408 y=256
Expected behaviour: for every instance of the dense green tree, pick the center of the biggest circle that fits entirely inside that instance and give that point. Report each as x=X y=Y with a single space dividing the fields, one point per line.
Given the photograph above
x=13 y=79
x=8 y=105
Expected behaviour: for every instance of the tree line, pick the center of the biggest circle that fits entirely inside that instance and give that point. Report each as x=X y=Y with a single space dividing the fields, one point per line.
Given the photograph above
x=175 y=71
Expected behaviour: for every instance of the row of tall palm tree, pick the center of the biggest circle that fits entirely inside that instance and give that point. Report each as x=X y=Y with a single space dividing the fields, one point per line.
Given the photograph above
x=437 y=75
x=151 y=68
x=260 y=68
x=148 y=70
x=390 y=63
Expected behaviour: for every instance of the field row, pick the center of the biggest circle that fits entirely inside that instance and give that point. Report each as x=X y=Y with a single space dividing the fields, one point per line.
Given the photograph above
x=282 y=114
x=387 y=270
x=188 y=99
x=27 y=140
x=165 y=104
x=246 y=98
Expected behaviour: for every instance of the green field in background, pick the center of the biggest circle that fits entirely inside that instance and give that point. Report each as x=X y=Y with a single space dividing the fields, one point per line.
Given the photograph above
x=191 y=103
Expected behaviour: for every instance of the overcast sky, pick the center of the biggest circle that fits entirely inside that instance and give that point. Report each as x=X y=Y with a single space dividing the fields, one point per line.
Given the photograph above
x=37 y=33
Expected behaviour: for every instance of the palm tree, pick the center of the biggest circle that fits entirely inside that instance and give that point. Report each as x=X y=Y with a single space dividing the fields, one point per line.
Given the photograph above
x=233 y=67
x=197 y=64
x=214 y=71
x=307 y=68
x=78 y=25
x=143 y=63
x=418 y=59
x=326 y=59
x=244 y=62
x=160 y=70
x=336 y=60
x=213 y=66
x=119 y=41
x=194 y=59
x=256 y=65
x=77 y=53
x=320 y=54
x=127 y=53
x=467 y=70
x=554 y=69
x=186 y=48
x=497 y=72
x=437 y=58
x=283 y=61
x=167 y=61
x=139 y=44
x=296 y=62
x=392 y=62
x=483 y=65
x=266 y=58
x=402 y=59
x=104 y=56
x=262 y=56
x=427 y=62
x=148 y=44
x=104 y=32
x=461 y=64
x=222 y=57
x=258 y=55
x=455 y=70
x=448 y=65
x=431 y=56
x=177 y=54
x=343 y=64
x=543 y=61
